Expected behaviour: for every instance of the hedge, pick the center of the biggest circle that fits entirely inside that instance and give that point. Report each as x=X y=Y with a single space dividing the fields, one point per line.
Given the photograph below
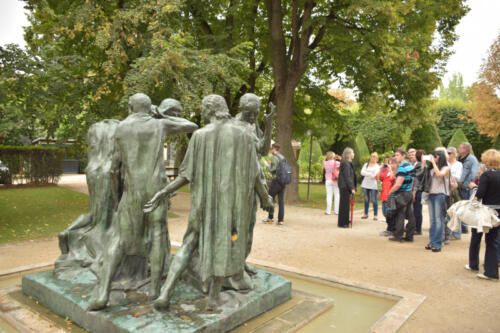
x=426 y=138
x=361 y=152
x=31 y=164
x=458 y=138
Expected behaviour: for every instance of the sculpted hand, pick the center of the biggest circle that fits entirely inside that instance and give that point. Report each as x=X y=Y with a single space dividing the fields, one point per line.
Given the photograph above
x=269 y=117
x=268 y=204
x=152 y=204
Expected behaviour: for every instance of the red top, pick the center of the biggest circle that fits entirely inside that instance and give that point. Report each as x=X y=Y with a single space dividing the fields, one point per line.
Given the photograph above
x=387 y=178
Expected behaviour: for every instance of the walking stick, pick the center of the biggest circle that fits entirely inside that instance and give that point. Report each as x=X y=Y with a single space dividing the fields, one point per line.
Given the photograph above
x=352 y=209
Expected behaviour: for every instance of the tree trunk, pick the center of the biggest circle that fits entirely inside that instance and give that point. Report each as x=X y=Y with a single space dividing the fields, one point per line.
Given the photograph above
x=284 y=126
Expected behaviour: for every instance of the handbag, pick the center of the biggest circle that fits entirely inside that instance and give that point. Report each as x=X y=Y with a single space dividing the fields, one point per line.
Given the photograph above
x=335 y=173
x=473 y=213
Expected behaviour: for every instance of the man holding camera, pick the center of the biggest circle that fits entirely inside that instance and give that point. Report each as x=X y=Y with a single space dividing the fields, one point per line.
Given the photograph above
x=403 y=197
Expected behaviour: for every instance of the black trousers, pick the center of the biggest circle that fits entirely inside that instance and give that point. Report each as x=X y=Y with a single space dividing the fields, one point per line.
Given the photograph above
x=491 y=254
x=405 y=212
x=344 y=207
x=417 y=211
x=281 y=205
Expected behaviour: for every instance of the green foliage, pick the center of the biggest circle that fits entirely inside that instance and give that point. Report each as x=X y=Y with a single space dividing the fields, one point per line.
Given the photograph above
x=38 y=212
x=426 y=138
x=19 y=95
x=452 y=115
x=496 y=144
x=317 y=155
x=457 y=138
x=317 y=159
x=382 y=130
x=361 y=151
x=456 y=91
x=32 y=164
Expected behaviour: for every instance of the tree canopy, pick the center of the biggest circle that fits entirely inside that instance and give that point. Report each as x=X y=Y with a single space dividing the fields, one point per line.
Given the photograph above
x=485 y=108
x=94 y=54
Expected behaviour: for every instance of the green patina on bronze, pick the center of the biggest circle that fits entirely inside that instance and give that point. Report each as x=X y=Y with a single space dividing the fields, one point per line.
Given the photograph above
x=131 y=311
x=114 y=258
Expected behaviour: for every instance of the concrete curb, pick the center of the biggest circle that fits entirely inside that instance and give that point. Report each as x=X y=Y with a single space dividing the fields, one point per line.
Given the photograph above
x=391 y=321
x=20 y=269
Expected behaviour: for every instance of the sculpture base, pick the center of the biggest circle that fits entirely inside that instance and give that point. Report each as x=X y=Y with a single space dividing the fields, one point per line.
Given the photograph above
x=128 y=312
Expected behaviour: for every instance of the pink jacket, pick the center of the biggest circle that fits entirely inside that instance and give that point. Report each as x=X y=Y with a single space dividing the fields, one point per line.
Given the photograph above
x=329 y=166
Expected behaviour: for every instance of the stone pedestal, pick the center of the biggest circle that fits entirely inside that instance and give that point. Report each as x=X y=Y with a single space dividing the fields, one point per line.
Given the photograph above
x=131 y=311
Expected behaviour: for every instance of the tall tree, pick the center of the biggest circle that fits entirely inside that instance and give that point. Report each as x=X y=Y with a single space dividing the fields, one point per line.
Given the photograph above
x=455 y=89
x=485 y=107
x=383 y=48
x=20 y=95
x=102 y=52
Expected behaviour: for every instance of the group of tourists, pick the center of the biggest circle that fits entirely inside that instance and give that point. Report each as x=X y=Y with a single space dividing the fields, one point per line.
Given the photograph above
x=412 y=178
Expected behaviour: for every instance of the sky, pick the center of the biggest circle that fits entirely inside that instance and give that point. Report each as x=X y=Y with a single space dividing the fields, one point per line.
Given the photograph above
x=477 y=31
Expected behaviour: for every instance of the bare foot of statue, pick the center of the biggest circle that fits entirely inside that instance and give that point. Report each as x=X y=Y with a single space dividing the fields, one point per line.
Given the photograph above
x=98 y=304
x=154 y=292
x=212 y=303
x=250 y=269
x=161 y=304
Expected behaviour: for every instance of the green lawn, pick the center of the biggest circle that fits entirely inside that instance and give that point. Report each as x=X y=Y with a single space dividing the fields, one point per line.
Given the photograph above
x=317 y=197
x=39 y=212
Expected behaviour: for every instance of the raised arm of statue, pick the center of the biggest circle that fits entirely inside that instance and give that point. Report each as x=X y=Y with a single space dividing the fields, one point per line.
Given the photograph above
x=265 y=142
x=115 y=177
x=164 y=193
x=176 y=125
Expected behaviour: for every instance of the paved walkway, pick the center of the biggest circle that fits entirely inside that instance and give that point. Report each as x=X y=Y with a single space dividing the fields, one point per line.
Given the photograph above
x=456 y=300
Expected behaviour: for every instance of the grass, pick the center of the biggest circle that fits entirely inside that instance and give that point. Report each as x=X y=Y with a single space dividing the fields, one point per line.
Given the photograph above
x=39 y=212
x=317 y=197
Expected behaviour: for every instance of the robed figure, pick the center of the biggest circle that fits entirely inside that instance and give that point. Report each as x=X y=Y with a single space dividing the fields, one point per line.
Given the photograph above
x=223 y=171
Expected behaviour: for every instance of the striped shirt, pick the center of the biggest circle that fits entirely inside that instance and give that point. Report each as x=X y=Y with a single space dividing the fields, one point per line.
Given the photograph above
x=404 y=170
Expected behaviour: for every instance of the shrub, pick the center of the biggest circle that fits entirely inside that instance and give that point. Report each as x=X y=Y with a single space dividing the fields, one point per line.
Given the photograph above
x=496 y=144
x=457 y=138
x=32 y=164
x=317 y=155
x=361 y=152
x=426 y=138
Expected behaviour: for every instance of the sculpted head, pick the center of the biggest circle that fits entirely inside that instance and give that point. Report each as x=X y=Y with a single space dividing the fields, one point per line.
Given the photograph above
x=250 y=107
x=139 y=103
x=214 y=106
x=170 y=107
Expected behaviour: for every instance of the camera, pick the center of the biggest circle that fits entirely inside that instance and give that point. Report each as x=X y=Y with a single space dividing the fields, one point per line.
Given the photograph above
x=426 y=157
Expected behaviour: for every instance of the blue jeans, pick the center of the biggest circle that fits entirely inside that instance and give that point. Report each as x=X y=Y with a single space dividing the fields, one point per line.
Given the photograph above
x=373 y=195
x=437 y=215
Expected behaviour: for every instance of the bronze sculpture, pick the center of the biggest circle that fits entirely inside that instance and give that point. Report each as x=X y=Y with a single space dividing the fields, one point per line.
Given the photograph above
x=223 y=171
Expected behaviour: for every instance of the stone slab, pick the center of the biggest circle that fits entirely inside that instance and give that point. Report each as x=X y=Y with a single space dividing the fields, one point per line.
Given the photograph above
x=131 y=312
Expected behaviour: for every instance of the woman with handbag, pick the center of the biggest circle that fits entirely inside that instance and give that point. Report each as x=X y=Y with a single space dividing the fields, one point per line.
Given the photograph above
x=332 y=170
x=438 y=190
x=488 y=191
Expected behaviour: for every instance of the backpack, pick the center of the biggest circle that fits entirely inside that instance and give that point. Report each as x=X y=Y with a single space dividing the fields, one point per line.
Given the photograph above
x=284 y=172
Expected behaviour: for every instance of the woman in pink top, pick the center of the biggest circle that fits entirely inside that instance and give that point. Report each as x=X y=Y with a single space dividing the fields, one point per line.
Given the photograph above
x=331 y=184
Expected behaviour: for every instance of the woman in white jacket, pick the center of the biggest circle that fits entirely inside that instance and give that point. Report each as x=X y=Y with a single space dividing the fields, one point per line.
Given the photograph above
x=369 y=185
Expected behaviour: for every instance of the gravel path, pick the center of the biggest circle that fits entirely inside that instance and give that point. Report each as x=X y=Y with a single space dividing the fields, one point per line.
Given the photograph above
x=456 y=300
